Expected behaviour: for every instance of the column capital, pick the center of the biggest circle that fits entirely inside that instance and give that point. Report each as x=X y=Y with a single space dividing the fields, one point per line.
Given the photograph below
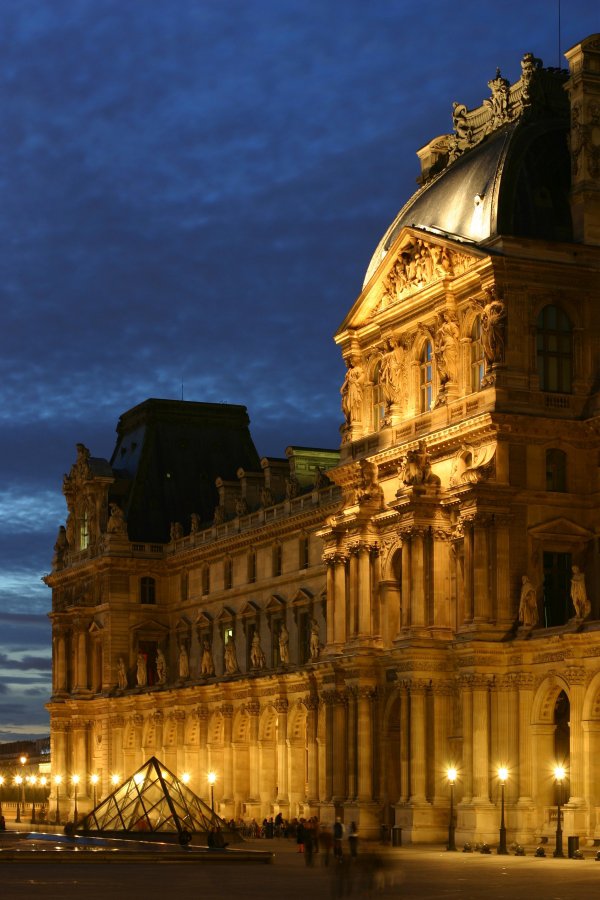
x=281 y=705
x=226 y=710
x=252 y=708
x=575 y=674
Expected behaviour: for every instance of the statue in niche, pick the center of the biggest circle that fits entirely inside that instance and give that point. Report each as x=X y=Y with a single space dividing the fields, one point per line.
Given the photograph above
x=194 y=523
x=392 y=374
x=176 y=531
x=141 y=670
x=284 y=645
x=446 y=347
x=314 y=646
x=528 y=605
x=161 y=667
x=257 y=656
x=70 y=530
x=415 y=468
x=207 y=666
x=121 y=674
x=116 y=520
x=60 y=548
x=184 y=662
x=579 y=597
x=493 y=325
x=231 y=663
x=352 y=392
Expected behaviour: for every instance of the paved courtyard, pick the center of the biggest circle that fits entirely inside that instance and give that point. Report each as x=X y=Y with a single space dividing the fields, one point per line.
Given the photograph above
x=408 y=873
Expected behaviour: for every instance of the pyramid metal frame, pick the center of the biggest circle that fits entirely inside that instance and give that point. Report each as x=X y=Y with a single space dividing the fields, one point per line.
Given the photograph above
x=151 y=800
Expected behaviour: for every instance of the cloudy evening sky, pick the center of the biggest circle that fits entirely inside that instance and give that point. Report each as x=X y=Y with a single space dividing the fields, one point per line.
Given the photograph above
x=190 y=194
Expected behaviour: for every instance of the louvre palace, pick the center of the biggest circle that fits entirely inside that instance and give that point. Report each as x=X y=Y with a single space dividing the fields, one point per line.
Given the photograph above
x=330 y=631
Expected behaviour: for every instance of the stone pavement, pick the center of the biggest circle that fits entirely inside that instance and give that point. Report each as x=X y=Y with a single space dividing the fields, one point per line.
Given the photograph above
x=412 y=873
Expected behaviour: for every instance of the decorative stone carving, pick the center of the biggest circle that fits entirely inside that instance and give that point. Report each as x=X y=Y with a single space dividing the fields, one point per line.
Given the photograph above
x=579 y=597
x=141 y=670
x=473 y=464
x=528 y=605
x=292 y=487
x=121 y=674
x=266 y=497
x=446 y=347
x=116 y=520
x=207 y=666
x=219 y=516
x=493 y=332
x=315 y=646
x=241 y=506
x=257 y=656
x=194 y=523
x=415 y=468
x=60 y=548
x=393 y=374
x=369 y=487
x=184 y=663
x=352 y=392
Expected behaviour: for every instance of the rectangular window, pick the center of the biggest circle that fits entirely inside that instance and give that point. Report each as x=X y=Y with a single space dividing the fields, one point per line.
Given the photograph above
x=304 y=547
x=277 y=559
x=206 y=580
x=557 y=588
x=227 y=574
x=251 y=567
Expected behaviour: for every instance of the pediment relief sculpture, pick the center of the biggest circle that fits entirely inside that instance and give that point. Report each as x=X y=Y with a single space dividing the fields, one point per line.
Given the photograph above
x=420 y=263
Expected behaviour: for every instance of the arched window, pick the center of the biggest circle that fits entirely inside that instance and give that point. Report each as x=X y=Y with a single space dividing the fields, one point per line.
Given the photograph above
x=477 y=357
x=147 y=590
x=206 y=580
x=556 y=470
x=554 y=350
x=378 y=399
x=426 y=377
x=84 y=531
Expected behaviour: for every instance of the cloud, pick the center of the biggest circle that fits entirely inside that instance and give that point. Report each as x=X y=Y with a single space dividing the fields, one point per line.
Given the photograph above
x=25 y=663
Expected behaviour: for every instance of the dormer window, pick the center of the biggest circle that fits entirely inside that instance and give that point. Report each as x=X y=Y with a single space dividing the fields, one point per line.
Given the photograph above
x=554 y=350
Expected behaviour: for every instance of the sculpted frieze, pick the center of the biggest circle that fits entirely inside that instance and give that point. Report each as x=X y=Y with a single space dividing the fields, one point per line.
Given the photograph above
x=419 y=264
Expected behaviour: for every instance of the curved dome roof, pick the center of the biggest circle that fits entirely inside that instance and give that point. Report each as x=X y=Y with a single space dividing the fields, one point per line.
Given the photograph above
x=515 y=181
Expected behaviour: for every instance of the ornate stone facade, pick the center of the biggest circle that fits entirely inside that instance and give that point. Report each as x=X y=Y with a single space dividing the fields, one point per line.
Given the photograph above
x=435 y=600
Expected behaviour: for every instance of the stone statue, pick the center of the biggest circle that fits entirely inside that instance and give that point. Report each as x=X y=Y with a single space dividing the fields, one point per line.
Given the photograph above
x=284 y=645
x=116 y=521
x=266 y=497
x=321 y=479
x=528 y=605
x=60 y=548
x=352 y=392
x=292 y=487
x=446 y=347
x=315 y=646
x=161 y=666
x=257 y=656
x=369 y=487
x=207 y=666
x=241 y=506
x=176 y=531
x=121 y=674
x=231 y=663
x=184 y=662
x=493 y=321
x=142 y=670
x=415 y=467
x=219 y=517
x=194 y=523
x=579 y=597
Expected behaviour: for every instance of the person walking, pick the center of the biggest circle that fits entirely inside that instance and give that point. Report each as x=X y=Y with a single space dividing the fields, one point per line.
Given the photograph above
x=338 y=837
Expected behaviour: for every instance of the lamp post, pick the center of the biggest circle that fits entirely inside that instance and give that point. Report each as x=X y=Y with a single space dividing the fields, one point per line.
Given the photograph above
x=75 y=780
x=43 y=804
x=114 y=780
x=57 y=782
x=211 y=780
x=559 y=774
x=451 y=776
x=18 y=782
x=503 y=776
x=32 y=784
x=1 y=786
x=94 y=779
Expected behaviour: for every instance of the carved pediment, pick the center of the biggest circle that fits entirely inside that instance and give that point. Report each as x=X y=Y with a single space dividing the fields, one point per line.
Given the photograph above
x=560 y=529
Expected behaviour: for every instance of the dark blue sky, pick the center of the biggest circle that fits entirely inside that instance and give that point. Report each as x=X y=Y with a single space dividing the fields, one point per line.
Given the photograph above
x=191 y=192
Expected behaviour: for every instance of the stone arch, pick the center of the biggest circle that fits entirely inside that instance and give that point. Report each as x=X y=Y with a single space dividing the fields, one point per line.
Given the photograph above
x=591 y=702
x=241 y=726
x=389 y=556
x=297 y=722
x=544 y=730
x=216 y=729
x=546 y=695
x=268 y=724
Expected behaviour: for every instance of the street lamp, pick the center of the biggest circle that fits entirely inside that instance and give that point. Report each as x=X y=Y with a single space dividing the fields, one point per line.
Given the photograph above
x=18 y=782
x=211 y=780
x=559 y=774
x=57 y=782
x=94 y=779
x=32 y=783
x=75 y=780
x=43 y=809
x=21 y=783
x=451 y=776
x=1 y=786
x=186 y=777
x=503 y=776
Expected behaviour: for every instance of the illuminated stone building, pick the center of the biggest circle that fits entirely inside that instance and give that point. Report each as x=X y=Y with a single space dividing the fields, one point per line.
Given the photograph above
x=439 y=591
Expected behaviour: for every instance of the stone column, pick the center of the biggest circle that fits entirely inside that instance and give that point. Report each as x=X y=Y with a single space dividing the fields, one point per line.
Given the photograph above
x=418 y=742
x=364 y=590
x=365 y=743
x=352 y=624
x=406 y=580
x=201 y=713
x=312 y=707
x=80 y=757
x=330 y=582
x=404 y=749
x=60 y=734
x=115 y=759
x=481 y=727
x=340 y=625
x=340 y=745
x=442 y=694
x=227 y=713
x=441 y=580
x=82 y=676
x=417 y=598
x=468 y=568
x=61 y=661
x=253 y=709
x=467 y=737
x=576 y=679
x=481 y=602
x=353 y=742
x=504 y=610
x=281 y=707
x=525 y=682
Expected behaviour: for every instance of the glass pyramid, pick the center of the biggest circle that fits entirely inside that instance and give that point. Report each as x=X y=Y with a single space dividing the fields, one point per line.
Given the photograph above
x=151 y=800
